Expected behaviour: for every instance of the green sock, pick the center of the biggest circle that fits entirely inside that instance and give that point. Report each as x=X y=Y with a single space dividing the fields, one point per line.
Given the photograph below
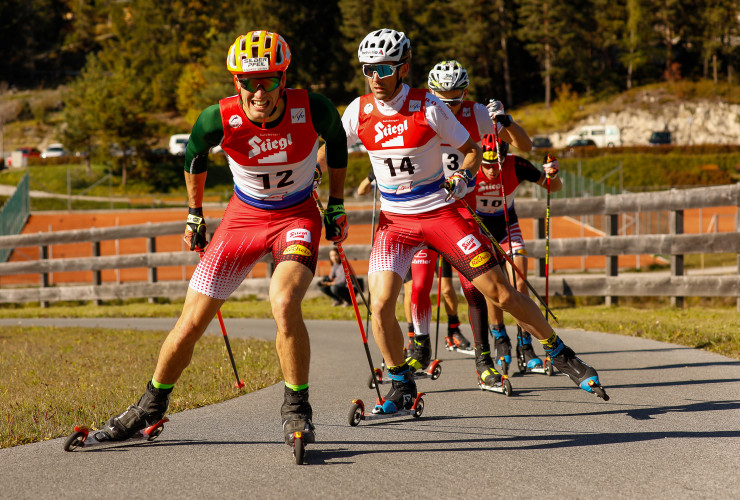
x=157 y=385
x=296 y=388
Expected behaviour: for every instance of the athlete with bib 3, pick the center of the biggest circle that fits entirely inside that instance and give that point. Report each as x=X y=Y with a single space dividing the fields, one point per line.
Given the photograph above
x=269 y=134
x=403 y=130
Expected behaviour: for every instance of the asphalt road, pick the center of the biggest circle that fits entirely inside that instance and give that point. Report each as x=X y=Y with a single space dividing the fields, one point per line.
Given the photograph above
x=671 y=430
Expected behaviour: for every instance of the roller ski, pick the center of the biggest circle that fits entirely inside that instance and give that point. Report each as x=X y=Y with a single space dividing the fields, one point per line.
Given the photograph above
x=488 y=378
x=583 y=375
x=456 y=341
x=298 y=429
x=419 y=361
x=143 y=421
x=502 y=347
x=402 y=400
x=527 y=360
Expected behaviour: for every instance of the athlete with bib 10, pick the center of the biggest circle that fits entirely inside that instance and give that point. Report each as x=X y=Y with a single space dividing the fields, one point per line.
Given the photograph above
x=269 y=134
x=403 y=130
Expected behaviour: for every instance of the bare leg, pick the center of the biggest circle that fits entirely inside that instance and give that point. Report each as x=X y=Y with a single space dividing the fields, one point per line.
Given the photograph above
x=177 y=349
x=384 y=289
x=450 y=296
x=287 y=288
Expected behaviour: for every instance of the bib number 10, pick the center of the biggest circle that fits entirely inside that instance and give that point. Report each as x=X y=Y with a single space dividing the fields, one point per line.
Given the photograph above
x=405 y=166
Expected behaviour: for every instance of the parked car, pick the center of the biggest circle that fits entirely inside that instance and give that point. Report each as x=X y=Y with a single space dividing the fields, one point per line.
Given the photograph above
x=28 y=152
x=54 y=151
x=541 y=142
x=604 y=136
x=178 y=143
x=357 y=147
x=580 y=143
x=661 y=138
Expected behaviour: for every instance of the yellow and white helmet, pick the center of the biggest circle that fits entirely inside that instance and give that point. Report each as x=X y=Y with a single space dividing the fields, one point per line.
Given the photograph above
x=258 y=52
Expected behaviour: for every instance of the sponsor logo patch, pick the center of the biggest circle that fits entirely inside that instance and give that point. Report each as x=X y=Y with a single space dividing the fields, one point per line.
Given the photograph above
x=255 y=64
x=235 y=121
x=298 y=115
x=299 y=234
x=414 y=106
x=368 y=108
x=466 y=112
x=272 y=148
x=469 y=244
x=480 y=259
x=297 y=250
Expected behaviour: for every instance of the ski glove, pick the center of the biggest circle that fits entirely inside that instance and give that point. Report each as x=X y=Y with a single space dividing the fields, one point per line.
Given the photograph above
x=335 y=220
x=457 y=184
x=496 y=112
x=195 y=230
x=551 y=166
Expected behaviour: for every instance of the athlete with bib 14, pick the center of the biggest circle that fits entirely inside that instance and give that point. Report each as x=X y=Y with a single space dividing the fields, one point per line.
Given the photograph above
x=269 y=134
x=403 y=130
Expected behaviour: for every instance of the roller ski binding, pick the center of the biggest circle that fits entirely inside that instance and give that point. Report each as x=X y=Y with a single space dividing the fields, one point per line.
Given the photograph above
x=298 y=429
x=488 y=378
x=527 y=360
x=456 y=341
x=583 y=375
x=143 y=421
x=402 y=400
x=502 y=346
x=418 y=359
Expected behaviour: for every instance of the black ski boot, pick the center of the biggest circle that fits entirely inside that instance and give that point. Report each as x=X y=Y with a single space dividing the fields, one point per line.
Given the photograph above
x=528 y=360
x=564 y=359
x=403 y=391
x=148 y=411
x=484 y=367
x=296 y=413
x=420 y=354
x=502 y=344
x=455 y=338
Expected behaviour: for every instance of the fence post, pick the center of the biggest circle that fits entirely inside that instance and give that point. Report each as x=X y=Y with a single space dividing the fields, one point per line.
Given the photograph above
x=97 y=274
x=151 y=247
x=540 y=230
x=612 y=261
x=676 y=222
x=44 y=251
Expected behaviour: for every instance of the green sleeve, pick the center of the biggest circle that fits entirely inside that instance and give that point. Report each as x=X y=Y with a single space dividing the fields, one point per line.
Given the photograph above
x=328 y=124
x=207 y=132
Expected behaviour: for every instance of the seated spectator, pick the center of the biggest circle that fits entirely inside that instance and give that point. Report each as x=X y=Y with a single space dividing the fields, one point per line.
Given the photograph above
x=335 y=285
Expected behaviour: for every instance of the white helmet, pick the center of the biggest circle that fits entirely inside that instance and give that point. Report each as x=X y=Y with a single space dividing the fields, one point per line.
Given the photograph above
x=384 y=45
x=448 y=75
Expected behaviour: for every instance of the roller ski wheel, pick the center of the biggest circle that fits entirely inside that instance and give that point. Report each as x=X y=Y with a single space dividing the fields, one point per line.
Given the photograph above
x=299 y=448
x=450 y=345
x=83 y=437
x=378 y=378
x=503 y=387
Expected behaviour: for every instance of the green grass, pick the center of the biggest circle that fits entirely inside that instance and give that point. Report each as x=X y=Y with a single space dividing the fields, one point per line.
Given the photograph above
x=56 y=378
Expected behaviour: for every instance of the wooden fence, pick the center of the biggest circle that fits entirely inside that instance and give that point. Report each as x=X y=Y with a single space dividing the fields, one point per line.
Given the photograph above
x=609 y=284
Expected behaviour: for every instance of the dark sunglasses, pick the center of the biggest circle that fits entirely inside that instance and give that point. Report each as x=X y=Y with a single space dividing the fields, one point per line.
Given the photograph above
x=382 y=70
x=252 y=84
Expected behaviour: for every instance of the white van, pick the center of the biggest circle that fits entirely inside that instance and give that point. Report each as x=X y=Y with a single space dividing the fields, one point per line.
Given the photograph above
x=604 y=136
x=178 y=143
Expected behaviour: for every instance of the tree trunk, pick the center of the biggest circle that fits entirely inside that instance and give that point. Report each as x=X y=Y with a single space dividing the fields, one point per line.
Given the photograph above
x=714 y=68
x=505 y=54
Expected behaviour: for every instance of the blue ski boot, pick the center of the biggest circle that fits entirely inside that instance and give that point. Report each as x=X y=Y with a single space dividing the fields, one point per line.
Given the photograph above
x=564 y=359
x=527 y=359
x=402 y=393
x=502 y=345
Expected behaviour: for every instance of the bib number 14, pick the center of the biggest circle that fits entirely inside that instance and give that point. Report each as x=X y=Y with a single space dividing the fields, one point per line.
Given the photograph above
x=405 y=166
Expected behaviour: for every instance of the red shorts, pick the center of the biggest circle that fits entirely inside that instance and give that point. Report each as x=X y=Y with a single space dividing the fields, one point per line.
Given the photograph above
x=400 y=236
x=247 y=234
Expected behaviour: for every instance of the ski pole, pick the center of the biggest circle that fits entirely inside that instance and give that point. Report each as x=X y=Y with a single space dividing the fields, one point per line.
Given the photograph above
x=239 y=382
x=547 y=238
x=348 y=273
x=372 y=242
x=501 y=250
x=439 y=292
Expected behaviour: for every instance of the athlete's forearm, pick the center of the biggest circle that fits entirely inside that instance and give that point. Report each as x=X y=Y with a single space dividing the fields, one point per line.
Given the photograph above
x=517 y=137
x=336 y=182
x=195 y=185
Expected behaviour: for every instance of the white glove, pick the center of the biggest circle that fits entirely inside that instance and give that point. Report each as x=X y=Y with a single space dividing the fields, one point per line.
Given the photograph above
x=496 y=112
x=551 y=166
x=457 y=184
